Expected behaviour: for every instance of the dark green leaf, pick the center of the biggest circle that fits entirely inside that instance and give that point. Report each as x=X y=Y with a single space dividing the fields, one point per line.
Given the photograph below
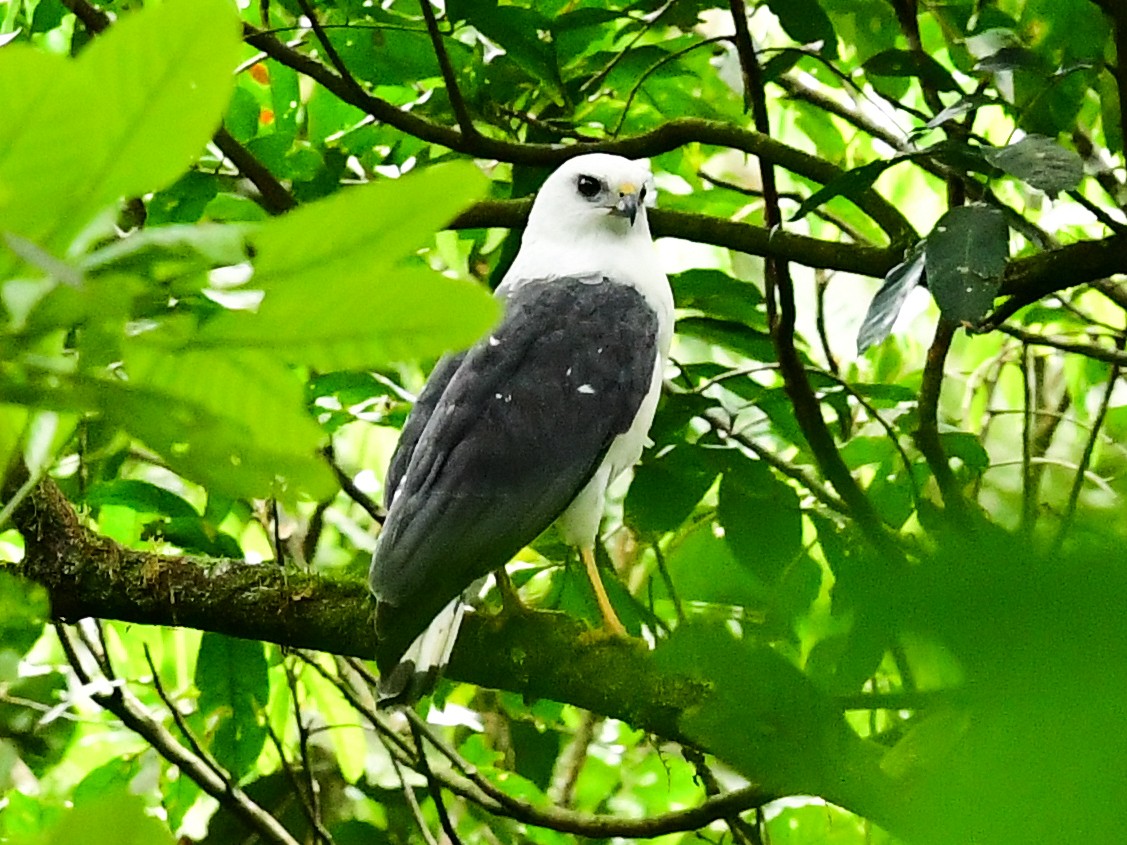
x=850 y=184
x=760 y=709
x=23 y=612
x=716 y=294
x=898 y=63
x=141 y=496
x=760 y=515
x=967 y=448
x=748 y=342
x=1040 y=162
x=966 y=256
x=806 y=22
x=666 y=488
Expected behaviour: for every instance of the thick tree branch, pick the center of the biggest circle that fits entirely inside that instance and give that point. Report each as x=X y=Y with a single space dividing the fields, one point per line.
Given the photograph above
x=669 y=136
x=91 y=576
x=536 y=654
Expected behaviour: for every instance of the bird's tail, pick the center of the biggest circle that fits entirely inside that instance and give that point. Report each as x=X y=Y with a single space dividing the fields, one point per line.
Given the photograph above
x=422 y=664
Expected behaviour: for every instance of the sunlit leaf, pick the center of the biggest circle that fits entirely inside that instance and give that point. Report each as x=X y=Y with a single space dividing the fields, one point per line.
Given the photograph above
x=336 y=293
x=116 y=818
x=885 y=307
x=144 y=98
x=234 y=688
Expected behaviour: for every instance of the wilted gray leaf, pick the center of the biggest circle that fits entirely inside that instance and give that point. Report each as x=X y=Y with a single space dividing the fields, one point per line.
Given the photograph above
x=900 y=281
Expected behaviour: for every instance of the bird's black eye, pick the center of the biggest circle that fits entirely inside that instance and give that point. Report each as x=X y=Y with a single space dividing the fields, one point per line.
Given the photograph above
x=589 y=186
x=642 y=194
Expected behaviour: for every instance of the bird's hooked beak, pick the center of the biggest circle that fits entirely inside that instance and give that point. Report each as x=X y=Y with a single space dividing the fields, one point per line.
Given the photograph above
x=628 y=202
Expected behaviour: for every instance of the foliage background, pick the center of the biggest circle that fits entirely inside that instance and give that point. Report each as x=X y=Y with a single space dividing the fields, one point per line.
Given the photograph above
x=883 y=587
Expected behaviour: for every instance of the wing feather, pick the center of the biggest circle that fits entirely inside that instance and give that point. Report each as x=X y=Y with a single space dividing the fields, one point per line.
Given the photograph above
x=508 y=436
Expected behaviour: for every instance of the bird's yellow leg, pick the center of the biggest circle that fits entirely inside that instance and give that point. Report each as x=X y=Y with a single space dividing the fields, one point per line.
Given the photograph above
x=610 y=618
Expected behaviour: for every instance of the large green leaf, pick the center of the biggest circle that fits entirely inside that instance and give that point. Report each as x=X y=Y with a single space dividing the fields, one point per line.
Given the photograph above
x=234 y=420
x=965 y=258
x=128 y=116
x=336 y=291
x=760 y=514
x=116 y=818
x=233 y=682
x=761 y=713
x=666 y=488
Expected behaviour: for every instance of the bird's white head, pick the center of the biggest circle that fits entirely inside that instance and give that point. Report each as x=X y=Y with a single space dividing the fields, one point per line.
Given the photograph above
x=597 y=195
x=590 y=219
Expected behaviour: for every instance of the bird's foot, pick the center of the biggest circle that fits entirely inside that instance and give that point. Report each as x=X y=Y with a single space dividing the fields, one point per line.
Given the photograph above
x=511 y=604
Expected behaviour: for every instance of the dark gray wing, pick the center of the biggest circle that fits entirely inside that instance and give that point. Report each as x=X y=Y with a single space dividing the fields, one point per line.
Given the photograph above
x=417 y=420
x=522 y=423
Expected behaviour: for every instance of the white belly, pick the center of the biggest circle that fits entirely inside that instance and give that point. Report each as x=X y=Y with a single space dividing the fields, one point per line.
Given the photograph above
x=579 y=524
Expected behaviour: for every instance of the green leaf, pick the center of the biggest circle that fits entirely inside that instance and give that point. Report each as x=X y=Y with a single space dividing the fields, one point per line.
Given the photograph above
x=749 y=342
x=235 y=421
x=900 y=281
x=967 y=448
x=166 y=251
x=1040 y=162
x=141 y=496
x=232 y=679
x=116 y=818
x=760 y=514
x=767 y=717
x=850 y=184
x=704 y=570
x=966 y=256
x=717 y=294
x=899 y=63
x=143 y=98
x=806 y=22
x=666 y=488
x=23 y=612
x=335 y=292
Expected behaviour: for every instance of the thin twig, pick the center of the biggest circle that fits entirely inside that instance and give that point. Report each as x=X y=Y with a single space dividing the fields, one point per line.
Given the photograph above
x=1030 y=385
x=478 y=789
x=132 y=713
x=1088 y=350
x=330 y=50
x=348 y=486
x=433 y=786
x=781 y=319
x=311 y=789
x=927 y=432
x=1085 y=460
x=449 y=78
x=179 y=720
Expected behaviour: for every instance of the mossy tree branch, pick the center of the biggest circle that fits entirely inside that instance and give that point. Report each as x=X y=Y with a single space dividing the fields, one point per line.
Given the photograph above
x=537 y=654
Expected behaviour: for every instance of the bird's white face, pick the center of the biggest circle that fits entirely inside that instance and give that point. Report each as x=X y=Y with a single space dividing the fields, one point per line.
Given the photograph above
x=596 y=192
